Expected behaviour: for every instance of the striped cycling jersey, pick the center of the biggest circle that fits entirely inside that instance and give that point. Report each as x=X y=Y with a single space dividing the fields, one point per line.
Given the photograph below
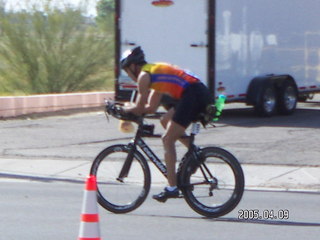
x=169 y=79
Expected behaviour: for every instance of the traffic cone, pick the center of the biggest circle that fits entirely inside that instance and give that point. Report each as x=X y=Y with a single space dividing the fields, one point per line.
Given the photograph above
x=89 y=225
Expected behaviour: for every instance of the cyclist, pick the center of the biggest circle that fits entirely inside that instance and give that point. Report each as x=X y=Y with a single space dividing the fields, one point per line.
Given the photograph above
x=154 y=80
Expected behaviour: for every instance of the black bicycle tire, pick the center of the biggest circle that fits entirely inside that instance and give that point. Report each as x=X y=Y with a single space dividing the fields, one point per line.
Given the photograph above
x=147 y=179
x=213 y=212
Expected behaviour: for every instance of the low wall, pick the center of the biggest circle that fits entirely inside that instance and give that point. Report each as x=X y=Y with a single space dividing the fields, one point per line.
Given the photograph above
x=15 y=106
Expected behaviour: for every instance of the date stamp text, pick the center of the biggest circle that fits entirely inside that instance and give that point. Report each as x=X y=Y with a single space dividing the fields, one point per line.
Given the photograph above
x=267 y=214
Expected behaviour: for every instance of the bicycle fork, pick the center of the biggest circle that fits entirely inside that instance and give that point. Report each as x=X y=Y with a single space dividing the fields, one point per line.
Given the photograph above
x=127 y=163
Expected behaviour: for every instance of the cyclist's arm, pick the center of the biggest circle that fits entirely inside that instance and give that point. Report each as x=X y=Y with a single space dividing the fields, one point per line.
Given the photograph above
x=143 y=93
x=153 y=102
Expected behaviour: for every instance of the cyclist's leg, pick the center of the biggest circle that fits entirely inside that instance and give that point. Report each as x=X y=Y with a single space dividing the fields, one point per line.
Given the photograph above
x=173 y=132
x=164 y=121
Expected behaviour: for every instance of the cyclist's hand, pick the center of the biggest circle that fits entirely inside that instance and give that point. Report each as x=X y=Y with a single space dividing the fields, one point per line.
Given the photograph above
x=116 y=110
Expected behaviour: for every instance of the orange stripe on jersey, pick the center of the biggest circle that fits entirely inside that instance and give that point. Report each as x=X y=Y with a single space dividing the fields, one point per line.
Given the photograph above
x=169 y=79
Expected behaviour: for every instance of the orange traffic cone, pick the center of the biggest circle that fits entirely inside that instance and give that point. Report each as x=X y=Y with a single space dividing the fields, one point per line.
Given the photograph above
x=89 y=226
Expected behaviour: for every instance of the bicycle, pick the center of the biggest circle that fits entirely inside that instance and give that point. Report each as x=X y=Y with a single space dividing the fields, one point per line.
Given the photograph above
x=210 y=178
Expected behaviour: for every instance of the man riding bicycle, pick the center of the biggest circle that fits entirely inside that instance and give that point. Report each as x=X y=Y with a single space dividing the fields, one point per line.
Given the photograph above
x=154 y=80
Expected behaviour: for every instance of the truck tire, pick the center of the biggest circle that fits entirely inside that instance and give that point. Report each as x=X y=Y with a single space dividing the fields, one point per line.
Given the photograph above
x=287 y=97
x=266 y=105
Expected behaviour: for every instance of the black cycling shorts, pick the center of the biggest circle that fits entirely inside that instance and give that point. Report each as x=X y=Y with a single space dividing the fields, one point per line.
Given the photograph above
x=168 y=102
x=194 y=100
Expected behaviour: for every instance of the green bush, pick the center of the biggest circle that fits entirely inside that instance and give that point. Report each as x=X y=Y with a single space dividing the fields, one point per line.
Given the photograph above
x=52 y=51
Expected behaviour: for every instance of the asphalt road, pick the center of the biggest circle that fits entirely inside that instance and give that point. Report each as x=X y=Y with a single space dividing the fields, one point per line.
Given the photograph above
x=51 y=210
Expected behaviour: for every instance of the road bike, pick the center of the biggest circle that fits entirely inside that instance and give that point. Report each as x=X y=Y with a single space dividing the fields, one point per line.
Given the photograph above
x=210 y=178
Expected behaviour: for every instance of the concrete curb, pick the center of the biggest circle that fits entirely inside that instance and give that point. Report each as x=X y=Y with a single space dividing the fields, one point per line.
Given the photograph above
x=21 y=105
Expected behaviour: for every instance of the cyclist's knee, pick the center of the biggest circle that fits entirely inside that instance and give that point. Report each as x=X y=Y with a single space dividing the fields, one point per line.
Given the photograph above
x=173 y=132
x=163 y=122
x=166 y=118
x=168 y=140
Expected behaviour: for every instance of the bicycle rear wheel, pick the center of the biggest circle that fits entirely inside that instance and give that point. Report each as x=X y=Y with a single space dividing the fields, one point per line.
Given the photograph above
x=121 y=195
x=214 y=187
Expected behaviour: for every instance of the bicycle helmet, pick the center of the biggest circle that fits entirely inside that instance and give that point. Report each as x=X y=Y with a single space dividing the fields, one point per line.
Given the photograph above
x=135 y=56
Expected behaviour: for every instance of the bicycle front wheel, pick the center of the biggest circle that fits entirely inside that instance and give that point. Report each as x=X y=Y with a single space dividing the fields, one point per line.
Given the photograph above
x=214 y=187
x=125 y=194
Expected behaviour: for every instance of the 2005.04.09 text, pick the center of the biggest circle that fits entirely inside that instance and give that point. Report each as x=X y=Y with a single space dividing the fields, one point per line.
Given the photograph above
x=267 y=214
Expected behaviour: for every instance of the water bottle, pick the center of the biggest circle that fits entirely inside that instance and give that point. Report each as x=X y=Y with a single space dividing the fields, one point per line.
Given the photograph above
x=219 y=106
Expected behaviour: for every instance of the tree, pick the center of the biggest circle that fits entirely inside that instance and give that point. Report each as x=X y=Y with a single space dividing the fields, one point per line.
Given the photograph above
x=105 y=8
x=52 y=50
x=105 y=12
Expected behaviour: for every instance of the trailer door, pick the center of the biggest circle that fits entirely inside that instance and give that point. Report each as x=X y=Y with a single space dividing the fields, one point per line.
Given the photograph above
x=176 y=34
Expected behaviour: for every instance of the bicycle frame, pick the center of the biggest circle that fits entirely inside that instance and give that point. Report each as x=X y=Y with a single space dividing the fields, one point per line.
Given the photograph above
x=152 y=156
x=138 y=141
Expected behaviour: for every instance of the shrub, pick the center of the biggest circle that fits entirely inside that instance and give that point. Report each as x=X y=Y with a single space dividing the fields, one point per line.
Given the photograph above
x=52 y=50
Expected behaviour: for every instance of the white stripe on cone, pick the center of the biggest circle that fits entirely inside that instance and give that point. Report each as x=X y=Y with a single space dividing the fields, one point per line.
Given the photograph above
x=89 y=230
x=90 y=205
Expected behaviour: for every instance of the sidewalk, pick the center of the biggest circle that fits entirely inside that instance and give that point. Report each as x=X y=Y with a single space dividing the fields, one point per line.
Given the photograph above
x=257 y=177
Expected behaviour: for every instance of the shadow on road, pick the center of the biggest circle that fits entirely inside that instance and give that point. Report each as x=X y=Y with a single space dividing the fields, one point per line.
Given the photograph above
x=267 y=222
x=236 y=220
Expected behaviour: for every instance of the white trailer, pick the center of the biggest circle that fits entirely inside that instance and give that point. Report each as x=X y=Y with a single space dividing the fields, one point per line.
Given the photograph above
x=262 y=53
